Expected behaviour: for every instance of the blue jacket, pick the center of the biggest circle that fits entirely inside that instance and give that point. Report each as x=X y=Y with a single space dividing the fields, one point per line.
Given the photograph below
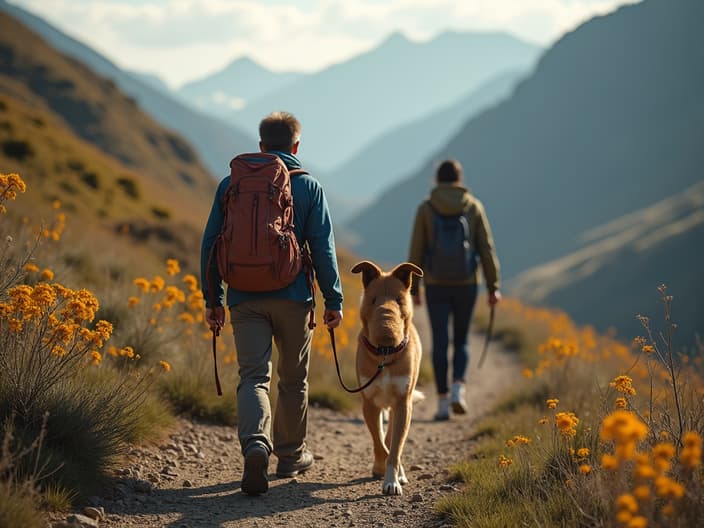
x=312 y=224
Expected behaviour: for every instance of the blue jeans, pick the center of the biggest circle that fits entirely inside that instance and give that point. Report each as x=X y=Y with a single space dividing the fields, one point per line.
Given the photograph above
x=443 y=302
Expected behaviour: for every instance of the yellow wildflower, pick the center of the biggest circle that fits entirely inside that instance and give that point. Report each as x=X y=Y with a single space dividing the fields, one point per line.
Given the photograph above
x=47 y=274
x=648 y=349
x=31 y=267
x=668 y=488
x=642 y=492
x=567 y=423
x=552 y=403
x=132 y=301
x=637 y=522
x=623 y=384
x=172 y=267
x=583 y=452
x=543 y=421
x=609 y=462
x=157 y=284
x=627 y=502
x=585 y=469
x=504 y=461
x=621 y=403
x=527 y=373
x=164 y=365
x=186 y=318
x=58 y=351
x=623 y=516
x=142 y=284
x=691 y=455
x=96 y=358
x=191 y=282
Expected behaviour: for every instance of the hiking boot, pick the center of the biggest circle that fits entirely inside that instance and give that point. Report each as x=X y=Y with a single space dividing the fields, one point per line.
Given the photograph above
x=291 y=468
x=256 y=466
x=443 y=413
x=459 y=405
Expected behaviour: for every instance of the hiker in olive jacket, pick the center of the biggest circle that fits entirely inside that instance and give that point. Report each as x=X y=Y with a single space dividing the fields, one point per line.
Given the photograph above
x=454 y=297
x=281 y=316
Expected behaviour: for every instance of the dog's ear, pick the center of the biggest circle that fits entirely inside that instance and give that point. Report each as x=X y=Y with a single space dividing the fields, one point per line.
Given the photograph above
x=404 y=271
x=370 y=271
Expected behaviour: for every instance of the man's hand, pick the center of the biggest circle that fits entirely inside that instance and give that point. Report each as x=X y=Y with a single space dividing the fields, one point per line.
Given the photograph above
x=494 y=298
x=332 y=318
x=215 y=317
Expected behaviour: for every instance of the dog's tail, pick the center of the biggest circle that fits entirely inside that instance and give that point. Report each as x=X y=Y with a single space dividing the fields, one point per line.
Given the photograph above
x=417 y=396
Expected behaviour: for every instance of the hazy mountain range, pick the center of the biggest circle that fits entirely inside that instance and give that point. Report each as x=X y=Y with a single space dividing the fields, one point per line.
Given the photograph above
x=234 y=87
x=347 y=105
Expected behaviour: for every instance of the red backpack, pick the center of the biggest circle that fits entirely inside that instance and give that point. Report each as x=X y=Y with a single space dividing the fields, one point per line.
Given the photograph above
x=257 y=249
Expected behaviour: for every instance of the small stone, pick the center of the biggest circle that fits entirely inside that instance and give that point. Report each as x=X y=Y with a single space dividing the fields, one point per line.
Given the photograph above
x=399 y=513
x=200 y=455
x=187 y=484
x=417 y=467
x=82 y=521
x=95 y=513
x=318 y=457
x=425 y=476
x=416 y=498
x=153 y=477
x=446 y=487
x=348 y=513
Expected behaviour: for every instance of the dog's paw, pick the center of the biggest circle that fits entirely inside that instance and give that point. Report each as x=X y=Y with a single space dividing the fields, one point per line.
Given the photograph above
x=393 y=488
x=402 y=476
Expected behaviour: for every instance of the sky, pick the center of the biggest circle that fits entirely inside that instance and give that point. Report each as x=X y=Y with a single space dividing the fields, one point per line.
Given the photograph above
x=184 y=40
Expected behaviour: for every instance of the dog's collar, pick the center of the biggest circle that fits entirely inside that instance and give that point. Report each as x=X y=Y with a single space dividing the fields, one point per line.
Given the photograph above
x=384 y=350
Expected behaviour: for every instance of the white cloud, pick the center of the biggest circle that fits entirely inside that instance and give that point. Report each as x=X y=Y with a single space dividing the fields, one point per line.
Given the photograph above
x=184 y=39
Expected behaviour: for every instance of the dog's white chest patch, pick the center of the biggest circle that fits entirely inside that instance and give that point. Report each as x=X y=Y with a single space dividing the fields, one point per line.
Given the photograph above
x=385 y=391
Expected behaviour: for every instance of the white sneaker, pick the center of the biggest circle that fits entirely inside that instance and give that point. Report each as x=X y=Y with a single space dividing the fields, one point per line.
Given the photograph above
x=459 y=405
x=443 y=413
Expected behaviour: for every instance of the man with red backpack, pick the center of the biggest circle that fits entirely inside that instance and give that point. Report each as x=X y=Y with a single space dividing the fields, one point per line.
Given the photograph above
x=269 y=236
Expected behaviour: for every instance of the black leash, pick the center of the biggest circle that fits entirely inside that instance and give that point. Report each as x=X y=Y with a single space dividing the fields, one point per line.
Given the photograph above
x=216 y=333
x=379 y=368
x=489 y=333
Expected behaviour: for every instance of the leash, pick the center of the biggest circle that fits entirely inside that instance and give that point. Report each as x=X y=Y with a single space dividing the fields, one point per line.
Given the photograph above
x=489 y=333
x=379 y=368
x=216 y=333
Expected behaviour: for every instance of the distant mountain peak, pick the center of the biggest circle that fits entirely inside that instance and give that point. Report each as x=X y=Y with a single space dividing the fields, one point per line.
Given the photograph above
x=396 y=38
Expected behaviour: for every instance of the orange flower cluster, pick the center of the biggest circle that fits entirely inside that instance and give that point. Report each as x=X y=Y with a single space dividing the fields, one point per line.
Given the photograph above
x=518 y=440
x=567 y=423
x=504 y=461
x=10 y=185
x=649 y=469
x=624 y=384
x=691 y=455
x=58 y=314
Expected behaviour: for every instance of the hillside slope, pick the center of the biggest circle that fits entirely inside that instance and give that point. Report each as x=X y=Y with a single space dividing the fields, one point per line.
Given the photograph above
x=215 y=140
x=95 y=110
x=610 y=122
x=616 y=274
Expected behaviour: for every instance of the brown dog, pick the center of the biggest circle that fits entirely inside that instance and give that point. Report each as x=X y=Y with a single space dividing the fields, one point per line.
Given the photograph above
x=388 y=337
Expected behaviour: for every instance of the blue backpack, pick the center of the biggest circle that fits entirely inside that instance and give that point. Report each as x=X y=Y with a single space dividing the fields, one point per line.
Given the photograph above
x=451 y=255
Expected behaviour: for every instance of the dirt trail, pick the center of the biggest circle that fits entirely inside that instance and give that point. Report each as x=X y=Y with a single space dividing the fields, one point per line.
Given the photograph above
x=193 y=480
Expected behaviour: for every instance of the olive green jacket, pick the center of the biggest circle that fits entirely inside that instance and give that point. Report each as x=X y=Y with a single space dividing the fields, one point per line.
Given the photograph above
x=453 y=199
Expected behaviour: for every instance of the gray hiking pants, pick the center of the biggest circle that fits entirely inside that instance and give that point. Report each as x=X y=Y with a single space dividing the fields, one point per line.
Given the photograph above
x=256 y=323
